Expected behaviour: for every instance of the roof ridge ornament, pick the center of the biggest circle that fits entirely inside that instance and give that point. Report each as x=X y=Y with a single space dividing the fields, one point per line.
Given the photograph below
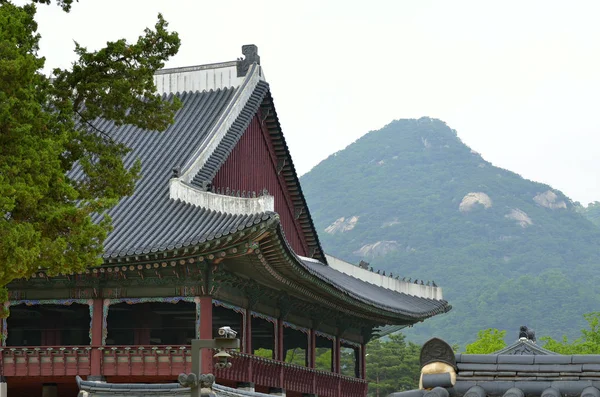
x=436 y=350
x=527 y=333
x=251 y=56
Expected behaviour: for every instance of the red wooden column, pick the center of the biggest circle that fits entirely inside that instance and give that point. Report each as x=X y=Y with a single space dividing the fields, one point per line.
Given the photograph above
x=248 y=340
x=97 y=330
x=312 y=348
x=363 y=361
x=279 y=347
x=337 y=347
x=248 y=331
x=206 y=325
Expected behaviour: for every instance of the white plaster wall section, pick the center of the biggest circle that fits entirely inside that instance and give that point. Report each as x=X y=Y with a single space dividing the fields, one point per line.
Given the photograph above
x=422 y=291
x=180 y=190
x=226 y=120
x=198 y=78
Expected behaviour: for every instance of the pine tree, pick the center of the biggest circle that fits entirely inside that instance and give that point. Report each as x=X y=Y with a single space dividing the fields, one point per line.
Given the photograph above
x=47 y=128
x=392 y=365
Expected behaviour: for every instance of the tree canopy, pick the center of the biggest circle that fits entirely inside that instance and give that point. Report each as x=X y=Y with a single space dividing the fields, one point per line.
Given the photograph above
x=587 y=343
x=488 y=341
x=47 y=129
x=392 y=365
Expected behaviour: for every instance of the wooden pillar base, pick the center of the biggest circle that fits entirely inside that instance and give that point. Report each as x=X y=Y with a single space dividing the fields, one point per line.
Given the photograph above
x=50 y=390
x=277 y=391
x=246 y=386
x=96 y=378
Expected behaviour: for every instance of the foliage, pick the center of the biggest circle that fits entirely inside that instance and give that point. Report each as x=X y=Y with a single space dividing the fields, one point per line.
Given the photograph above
x=405 y=183
x=488 y=341
x=296 y=356
x=262 y=352
x=587 y=343
x=591 y=212
x=56 y=168
x=392 y=365
x=323 y=359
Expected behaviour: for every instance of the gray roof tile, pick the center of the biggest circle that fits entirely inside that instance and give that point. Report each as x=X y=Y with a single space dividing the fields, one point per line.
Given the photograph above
x=149 y=220
x=97 y=389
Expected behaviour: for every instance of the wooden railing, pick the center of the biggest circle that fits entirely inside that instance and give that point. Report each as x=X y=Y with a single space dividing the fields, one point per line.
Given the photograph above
x=45 y=361
x=172 y=361
x=146 y=360
x=265 y=372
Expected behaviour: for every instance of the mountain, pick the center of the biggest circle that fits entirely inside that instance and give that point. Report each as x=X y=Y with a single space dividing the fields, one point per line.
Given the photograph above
x=412 y=199
x=591 y=212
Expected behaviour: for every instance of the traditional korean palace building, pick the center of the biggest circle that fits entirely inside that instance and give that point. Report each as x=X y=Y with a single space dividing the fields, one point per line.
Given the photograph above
x=217 y=233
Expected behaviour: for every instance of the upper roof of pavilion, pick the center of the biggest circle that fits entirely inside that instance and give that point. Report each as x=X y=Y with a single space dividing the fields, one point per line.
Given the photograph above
x=175 y=209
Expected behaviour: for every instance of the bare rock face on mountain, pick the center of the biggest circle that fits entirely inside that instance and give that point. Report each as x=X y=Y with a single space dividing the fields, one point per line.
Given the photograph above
x=549 y=199
x=520 y=217
x=472 y=199
x=505 y=250
x=391 y=222
x=379 y=248
x=342 y=225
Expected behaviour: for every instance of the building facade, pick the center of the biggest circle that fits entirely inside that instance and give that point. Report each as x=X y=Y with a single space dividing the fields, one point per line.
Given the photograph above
x=217 y=233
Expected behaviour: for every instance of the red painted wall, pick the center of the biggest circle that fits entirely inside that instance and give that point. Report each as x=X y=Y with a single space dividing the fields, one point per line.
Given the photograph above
x=252 y=166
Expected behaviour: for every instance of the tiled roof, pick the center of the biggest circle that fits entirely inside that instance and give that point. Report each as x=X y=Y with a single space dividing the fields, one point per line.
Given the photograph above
x=149 y=220
x=291 y=177
x=525 y=346
x=193 y=148
x=409 y=306
x=533 y=374
x=262 y=97
x=102 y=389
x=516 y=375
x=235 y=132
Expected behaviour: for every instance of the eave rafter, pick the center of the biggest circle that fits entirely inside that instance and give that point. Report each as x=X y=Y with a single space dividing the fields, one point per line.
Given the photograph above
x=161 y=268
x=189 y=266
x=283 y=265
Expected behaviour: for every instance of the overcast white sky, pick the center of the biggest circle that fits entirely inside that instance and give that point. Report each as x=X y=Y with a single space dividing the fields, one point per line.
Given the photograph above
x=519 y=80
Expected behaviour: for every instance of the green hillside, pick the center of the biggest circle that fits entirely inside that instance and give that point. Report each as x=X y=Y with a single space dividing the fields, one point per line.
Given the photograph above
x=592 y=212
x=412 y=199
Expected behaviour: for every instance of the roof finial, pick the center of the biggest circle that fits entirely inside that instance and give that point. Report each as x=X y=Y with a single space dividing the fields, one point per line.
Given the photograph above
x=251 y=56
x=526 y=333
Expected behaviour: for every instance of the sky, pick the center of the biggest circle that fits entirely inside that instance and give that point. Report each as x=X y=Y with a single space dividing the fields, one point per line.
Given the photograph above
x=518 y=80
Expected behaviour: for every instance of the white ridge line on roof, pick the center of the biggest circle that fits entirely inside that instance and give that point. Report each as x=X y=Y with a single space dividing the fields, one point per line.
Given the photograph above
x=313 y=260
x=221 y=127
x=179 y=190
x=379 y=280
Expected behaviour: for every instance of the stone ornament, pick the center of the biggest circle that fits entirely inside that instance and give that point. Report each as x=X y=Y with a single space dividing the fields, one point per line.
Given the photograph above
x=436 y=350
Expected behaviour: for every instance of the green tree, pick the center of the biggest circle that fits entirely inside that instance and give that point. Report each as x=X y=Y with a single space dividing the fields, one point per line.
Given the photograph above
x=488 y=341
x=47 y=128
x=587 y=343
x=592 y=211
x=323 y=359
x=392 y=365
